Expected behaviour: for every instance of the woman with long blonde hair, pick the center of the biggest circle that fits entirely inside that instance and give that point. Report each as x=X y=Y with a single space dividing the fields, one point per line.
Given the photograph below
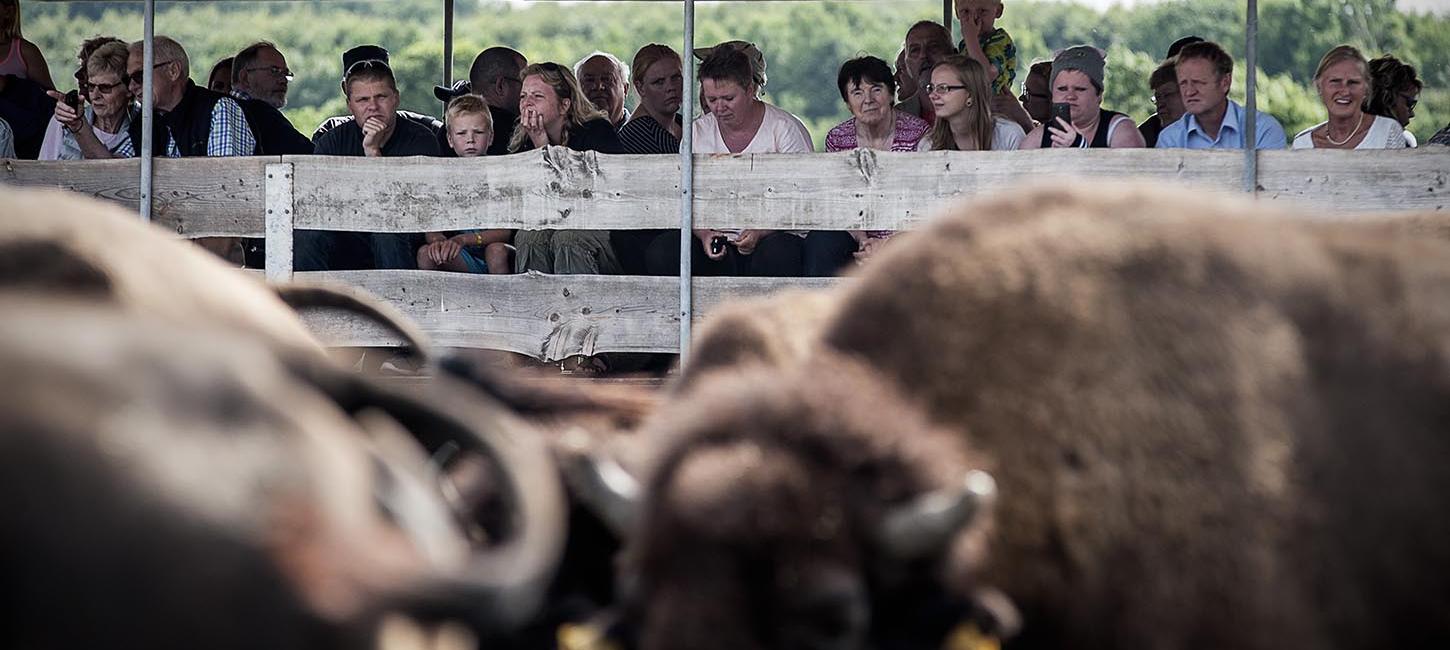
x=554 y=111
x=960 y=93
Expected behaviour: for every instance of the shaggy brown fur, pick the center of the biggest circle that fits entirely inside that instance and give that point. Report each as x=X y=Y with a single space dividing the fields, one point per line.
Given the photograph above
x=778 y=330
x=762 y=508
x=1215 y=425
x=62 y=244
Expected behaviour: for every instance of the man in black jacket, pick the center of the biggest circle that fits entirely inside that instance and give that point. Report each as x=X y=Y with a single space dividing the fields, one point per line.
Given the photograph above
x=375 y=130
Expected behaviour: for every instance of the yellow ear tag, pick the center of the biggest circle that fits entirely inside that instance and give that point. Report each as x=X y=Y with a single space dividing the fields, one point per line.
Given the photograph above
x=967 y=637
x=583 y=636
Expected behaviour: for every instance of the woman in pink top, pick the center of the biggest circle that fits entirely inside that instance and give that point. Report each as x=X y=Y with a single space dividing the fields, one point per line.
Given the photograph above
x=18 y=56
x=868 y=87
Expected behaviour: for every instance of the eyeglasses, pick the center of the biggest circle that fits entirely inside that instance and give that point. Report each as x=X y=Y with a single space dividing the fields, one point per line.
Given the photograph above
x=1410 y=101
x=136 y=77
x=104 y=89
x=274 y=71
x=932 y=89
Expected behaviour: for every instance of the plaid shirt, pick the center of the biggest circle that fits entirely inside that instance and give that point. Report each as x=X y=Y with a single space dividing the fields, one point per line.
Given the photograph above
x=230 y=135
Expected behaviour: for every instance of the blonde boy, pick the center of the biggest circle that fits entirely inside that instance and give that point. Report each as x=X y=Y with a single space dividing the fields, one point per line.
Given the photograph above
x=992 y=46
x=469 y=126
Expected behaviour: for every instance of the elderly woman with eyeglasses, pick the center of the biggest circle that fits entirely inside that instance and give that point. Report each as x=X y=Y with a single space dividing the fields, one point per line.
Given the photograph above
x=1343 y=81
x=103 y=125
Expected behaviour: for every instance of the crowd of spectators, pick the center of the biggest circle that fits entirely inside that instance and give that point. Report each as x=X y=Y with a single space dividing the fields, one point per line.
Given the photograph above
x=939 y=96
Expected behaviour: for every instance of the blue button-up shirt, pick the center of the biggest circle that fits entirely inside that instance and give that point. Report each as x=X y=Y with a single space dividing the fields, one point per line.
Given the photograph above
x=1186 y=133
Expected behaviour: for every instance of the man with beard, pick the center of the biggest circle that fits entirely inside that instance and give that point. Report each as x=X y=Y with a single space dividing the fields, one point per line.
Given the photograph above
x=926 y=44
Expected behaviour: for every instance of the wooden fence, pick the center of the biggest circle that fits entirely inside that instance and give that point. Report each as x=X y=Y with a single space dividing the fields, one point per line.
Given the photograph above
x=554 y=316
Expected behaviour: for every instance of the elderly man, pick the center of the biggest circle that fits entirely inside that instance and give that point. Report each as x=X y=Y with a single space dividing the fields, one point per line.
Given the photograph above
x=605 y=81
x=1213 y=121
x=926 y=44
x=190 y=120
x=259 y=83
x=376 y=130
x=260 y=71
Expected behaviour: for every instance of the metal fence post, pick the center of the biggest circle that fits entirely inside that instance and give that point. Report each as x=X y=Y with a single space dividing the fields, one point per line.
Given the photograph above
x=148 y=124
x=687 y=184
x=1251 y=104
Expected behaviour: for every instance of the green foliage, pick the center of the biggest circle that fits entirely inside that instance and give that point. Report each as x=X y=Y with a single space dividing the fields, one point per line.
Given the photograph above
x=804 y=42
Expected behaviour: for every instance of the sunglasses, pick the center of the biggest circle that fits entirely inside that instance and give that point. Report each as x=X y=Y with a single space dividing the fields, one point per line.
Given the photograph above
x=1411 y=101
x=137 y=78
x=104 y=89
x=365 y=64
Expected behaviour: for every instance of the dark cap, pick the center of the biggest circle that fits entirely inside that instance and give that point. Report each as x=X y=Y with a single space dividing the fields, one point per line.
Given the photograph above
x=363 y=53
x=447 y=93
x=1178 y=45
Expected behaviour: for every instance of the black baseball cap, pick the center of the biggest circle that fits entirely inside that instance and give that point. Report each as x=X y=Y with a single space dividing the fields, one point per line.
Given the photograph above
x=363 y=53
x=1178 y=45
x=447 y=93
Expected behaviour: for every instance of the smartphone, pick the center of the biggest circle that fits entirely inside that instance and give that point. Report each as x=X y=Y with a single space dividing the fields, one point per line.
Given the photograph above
x=717 y=244
x=73 y=100
x=1061 y=110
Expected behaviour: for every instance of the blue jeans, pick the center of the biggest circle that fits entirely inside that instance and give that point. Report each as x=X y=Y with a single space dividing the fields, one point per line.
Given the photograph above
x=322 y=250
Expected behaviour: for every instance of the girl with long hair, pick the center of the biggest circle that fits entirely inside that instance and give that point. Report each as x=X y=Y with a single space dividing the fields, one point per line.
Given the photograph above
x=960 y=93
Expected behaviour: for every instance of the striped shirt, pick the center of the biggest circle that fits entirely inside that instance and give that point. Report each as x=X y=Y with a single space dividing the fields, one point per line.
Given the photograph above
x=645 y=135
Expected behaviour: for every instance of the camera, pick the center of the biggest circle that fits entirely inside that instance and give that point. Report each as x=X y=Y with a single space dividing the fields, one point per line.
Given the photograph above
x=717 y=244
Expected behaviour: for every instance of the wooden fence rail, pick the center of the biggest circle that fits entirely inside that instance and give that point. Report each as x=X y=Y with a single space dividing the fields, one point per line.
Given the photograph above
x=554 y=316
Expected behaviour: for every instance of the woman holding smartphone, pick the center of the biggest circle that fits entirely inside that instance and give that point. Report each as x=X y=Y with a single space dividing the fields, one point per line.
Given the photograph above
x=961 y=94
x=1078 y=118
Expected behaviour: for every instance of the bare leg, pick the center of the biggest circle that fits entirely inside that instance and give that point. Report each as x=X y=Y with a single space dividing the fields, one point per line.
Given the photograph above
x=498 y=258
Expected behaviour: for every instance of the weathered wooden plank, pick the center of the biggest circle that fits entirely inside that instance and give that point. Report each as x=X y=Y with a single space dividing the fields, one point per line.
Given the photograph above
x=195 y=197
x=1342 y=182
x=558 y=188
x=544 y=316
x=278 y=190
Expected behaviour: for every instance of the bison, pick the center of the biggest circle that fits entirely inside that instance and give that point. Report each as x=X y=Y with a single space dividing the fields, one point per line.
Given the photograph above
x=1214 y=424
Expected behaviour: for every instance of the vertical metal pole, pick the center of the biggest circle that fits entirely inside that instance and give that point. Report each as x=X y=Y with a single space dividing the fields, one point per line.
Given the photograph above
x=947 y=17
x=148 y=125
x=447 y=43
x=687 y=183
x=1251 y=106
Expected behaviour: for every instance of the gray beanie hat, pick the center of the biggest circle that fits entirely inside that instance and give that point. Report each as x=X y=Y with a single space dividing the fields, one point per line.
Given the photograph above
x=1083 y=58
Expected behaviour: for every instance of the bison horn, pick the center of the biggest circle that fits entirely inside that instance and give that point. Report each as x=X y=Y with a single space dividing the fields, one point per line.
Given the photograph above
x=299 y=297
x=600 y=483
x=503 y=585
x=927 y=523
